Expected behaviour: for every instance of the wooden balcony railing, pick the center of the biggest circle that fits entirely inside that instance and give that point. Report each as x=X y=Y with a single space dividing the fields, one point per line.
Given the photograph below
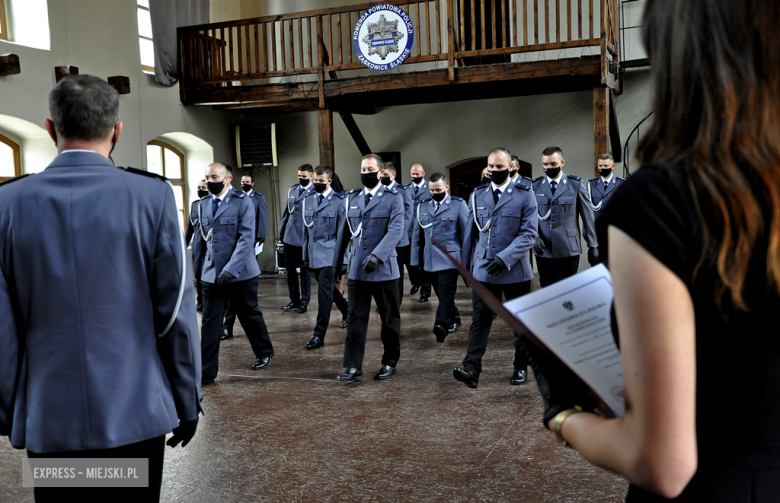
x=460 y=32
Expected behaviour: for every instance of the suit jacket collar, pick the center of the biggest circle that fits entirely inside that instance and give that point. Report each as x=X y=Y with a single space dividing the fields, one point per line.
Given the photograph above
x=227 y=199
x=375 y=198
x=561 y=188
x=80 y=158
x=325 y=201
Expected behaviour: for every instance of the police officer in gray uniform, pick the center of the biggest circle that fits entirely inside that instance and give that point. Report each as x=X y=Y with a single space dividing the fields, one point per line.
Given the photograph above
x=230 y=271
x=561 y=200
x=387 y=177
x=323 y=215
x=291 y=234
x=374 y=225
x=197 y=244
x=602 y=187
x=502 y=231
x=444 y=218
x=420 y=192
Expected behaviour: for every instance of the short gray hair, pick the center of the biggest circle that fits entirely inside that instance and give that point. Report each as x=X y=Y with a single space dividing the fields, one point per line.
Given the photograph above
x=84 y=107
x=604 y=157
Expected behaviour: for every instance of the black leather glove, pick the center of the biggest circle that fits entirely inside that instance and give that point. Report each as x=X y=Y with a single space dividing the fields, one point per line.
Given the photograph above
x=260 y=241
x=305 y=264
x=495 y=265
x=183 y=433
x=466 y=282
x=539 y=247
x=224 y=277
x=559 y=387
x=344 y=269
x=371 y=263
x=593 y=256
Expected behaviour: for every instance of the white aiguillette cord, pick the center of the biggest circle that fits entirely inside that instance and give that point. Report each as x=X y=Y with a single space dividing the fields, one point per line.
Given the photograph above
x=359 y=231
x=183 y=269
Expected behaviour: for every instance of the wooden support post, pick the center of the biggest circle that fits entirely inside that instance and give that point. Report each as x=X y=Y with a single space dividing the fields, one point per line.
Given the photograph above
x=451 y=40
x=325 y=128
x=600 y=124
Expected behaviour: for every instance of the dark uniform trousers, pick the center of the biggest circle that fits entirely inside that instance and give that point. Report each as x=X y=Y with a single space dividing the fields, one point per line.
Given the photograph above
x=327 y=294
x=152 y=449
x=199 y=291
x=483 y=320
x=552 y=270
x=445 y=284
x=404 y=256
x=243 y=297
x=386 y=295
x=293 y=258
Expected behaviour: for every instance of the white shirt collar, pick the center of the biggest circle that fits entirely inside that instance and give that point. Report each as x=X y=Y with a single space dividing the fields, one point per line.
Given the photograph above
x=80 y=150
x=608 y=179
x=556 y=180
x=420 y=185
x=325 y=194
x=501 y=188
x=248 y=193
x=392 y=185
x=372 y=191
x=443 y=201
x=223 y=196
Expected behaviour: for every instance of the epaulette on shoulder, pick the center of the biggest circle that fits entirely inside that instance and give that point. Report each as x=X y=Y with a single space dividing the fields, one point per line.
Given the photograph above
x=354 y=190
x=391 y=191
x=537 y=179
x=594 y=178
x=574 y=177
x=620 y=178
x=258 y=193
x=426 y=200
x=527 y=178
x=239 y=195
x=145 y=173
x=338 y=194
x=519 y=185
x=401 y=185
x=482 y=186
x=12 y=180
x=456 y=198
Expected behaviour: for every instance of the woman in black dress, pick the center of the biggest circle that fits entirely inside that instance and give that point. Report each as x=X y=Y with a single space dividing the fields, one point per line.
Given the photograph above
x=693 y=241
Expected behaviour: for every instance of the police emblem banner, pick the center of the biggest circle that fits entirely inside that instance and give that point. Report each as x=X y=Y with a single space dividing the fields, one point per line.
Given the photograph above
x=383 y=37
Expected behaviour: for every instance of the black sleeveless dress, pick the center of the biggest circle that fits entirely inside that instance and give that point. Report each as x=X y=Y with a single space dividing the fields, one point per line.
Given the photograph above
x=737 y=354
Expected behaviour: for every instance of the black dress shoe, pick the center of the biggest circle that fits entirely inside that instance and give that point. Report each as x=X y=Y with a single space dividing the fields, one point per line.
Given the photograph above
x=467 y=377
x=291 y=305
x=455 y=326
x=226 y=334
x=385 y=372
x=415 y=289
x=314 y=343
x=351 y=375
x=495 y=316
x=206 y=381
x=344 y=323
x=423 y=298
x=262 y=363
x=518 y=377
x=199 y=308
x=440 y=331
x=303 y=308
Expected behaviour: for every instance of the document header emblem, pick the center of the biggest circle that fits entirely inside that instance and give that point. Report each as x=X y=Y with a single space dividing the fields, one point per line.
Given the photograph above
x=383 y=37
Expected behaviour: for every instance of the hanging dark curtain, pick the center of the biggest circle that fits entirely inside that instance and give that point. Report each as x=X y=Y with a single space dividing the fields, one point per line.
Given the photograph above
x=167 y=15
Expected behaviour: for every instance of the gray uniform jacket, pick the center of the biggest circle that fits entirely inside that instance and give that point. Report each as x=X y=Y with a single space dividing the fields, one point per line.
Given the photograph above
x=261 y=213
x=598 y=194
x=510 y=230
x=406 y=194
x=91 y=369
x=193 y=230
x=291 y=226
x=374 y=230
x=231 y=245
x=559 y=229
x=321 y=227
x=423 y=193
x=447 y=225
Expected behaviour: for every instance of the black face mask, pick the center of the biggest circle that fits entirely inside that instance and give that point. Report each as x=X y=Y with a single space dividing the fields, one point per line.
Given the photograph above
x=303 y=181
x=512 y=172
x=385 y=180
x=320 y=187
x=552 y=172
x=202 y=193
x=439 y=196
x=485 y=179
x=605 y=172
x=499 y=177
x=216 y=187
x=246 y=187
x=369 y=179
x=417 y=179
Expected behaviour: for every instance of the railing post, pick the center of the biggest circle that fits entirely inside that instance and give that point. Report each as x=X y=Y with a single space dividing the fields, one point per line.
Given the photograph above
x=451 y=40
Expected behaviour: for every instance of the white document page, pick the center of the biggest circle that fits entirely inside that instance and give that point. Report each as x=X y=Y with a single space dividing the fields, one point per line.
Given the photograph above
x=572 y=318
x=258 y=248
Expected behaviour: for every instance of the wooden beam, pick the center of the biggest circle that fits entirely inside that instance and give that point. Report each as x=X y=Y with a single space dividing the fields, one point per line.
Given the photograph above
x=325 y=128
x=354 y=131
x=9 y=65
x=600 y=124
x=614 y=130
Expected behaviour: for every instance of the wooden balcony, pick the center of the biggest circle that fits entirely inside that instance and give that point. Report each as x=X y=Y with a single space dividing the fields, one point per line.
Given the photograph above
x=463 y=50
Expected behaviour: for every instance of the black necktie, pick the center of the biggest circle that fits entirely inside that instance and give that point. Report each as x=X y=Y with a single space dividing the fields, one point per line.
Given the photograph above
x=319 y=201
x=368 y=198
x=606 y=184
x=301 y=191
x=437 y=208
x=496 y=195
x=216 y=205
x=416 y=188
x=553 y=186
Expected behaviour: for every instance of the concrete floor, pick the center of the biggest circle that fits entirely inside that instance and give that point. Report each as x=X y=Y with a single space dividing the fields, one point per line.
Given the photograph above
x=292 y=433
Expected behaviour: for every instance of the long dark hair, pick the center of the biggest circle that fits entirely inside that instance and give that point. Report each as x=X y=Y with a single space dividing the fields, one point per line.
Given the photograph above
x=716 y=70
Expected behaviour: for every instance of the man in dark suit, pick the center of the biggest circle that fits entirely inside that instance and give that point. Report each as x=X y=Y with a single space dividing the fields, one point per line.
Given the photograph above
x=113 y=365
x=291 y=234
x=420 y=192
x=261 y=212
x=501 y=232
x=230 y=271
x=194 y=231
x=374 y=224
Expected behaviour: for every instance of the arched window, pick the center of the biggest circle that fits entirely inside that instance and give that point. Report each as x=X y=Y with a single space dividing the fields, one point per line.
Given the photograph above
x=10 y=159
x=145 y=36
x=166 y=160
